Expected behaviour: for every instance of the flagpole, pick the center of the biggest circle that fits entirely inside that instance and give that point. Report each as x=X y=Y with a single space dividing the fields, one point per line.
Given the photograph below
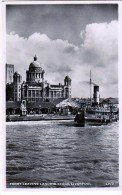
x=90 y=82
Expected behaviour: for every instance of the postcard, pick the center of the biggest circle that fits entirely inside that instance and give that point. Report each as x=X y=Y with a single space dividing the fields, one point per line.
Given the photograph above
x=62 y=99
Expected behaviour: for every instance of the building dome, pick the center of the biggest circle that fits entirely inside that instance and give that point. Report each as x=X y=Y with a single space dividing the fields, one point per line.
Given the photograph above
x=67 y=78
x=35 y=63
x=16 y=74
x=35 y=72
x=17 y=78
x=67 y=81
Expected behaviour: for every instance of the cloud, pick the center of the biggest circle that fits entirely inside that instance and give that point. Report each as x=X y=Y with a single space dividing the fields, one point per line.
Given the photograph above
x=97 y=52
x=101 y=40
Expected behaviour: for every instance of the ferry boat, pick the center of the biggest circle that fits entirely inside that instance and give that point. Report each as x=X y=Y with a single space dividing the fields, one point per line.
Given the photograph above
x=96 y=113
x=97 y=116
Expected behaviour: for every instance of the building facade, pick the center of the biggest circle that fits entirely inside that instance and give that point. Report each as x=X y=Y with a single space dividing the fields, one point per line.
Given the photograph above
x=13 y=90
x=35 y=89
x=53 y=92
x=17 y=81
x=9 y=73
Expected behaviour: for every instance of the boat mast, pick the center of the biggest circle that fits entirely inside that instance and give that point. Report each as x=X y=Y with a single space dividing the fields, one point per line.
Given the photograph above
x=90 y=82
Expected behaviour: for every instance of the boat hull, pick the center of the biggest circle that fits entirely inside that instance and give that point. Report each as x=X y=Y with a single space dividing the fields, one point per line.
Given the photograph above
x=83 y=120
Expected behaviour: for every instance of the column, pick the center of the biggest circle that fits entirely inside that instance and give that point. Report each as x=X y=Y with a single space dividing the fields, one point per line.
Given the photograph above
x=31 y=95
x=27 y=95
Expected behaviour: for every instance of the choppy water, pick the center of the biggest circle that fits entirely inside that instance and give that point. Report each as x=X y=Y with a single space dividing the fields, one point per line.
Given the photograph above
x=59 y=154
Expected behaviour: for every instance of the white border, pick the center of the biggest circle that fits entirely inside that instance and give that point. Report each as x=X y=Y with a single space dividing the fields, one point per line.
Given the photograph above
x=60 y=2
x=120 y=92
x=2 y=107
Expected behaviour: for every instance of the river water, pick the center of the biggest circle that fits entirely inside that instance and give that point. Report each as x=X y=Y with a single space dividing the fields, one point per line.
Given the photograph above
x=58 y=154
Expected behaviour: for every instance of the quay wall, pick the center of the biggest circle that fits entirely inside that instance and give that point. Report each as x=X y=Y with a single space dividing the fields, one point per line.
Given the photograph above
x=38 y=117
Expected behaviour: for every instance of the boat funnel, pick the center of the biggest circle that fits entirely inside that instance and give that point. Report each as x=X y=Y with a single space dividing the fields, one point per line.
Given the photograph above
x=96 y=95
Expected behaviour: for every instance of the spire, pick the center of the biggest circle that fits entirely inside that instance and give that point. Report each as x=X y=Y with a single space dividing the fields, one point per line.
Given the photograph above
x=35 y=58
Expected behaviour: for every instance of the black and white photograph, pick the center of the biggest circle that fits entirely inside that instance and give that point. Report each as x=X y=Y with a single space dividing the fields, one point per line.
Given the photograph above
x=62 y=95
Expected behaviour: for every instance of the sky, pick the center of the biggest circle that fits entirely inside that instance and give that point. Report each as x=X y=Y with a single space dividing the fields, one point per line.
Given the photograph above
x=67 y=40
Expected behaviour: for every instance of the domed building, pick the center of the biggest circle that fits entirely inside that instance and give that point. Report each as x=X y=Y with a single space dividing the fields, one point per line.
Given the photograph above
x=35 y=89
x=35 y=72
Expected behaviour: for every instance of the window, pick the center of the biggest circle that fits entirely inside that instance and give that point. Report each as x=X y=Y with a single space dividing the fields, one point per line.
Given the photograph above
x=29 y=93
x=33 y=93
x=37 y=93
x=54 y=93
x=51 y=93
x=25 y=92
x=58 y=94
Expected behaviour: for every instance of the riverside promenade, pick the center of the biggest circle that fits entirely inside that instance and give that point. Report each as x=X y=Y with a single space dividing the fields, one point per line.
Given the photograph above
x=39 y=117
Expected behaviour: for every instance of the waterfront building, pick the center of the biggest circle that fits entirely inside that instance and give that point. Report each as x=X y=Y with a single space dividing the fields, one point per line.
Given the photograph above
x=59 y=91
x=9 y=73
x=35 y=88
x=13 y=90
x=9 y=92
x=17 y=81
x=32 y=107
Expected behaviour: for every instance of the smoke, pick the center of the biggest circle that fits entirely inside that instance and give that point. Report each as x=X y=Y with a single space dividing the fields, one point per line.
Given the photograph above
x=88 y=82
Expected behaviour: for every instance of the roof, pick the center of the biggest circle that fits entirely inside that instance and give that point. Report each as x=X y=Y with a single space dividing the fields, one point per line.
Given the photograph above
x=40 y=104
x=10 y=65
x=67 y=77
x=68 y=102
x=34 y=84
x=35 y=63
x=16 y=73
x=15 y=105
x=111 y=100
x=59 y=86
x=57 y=101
